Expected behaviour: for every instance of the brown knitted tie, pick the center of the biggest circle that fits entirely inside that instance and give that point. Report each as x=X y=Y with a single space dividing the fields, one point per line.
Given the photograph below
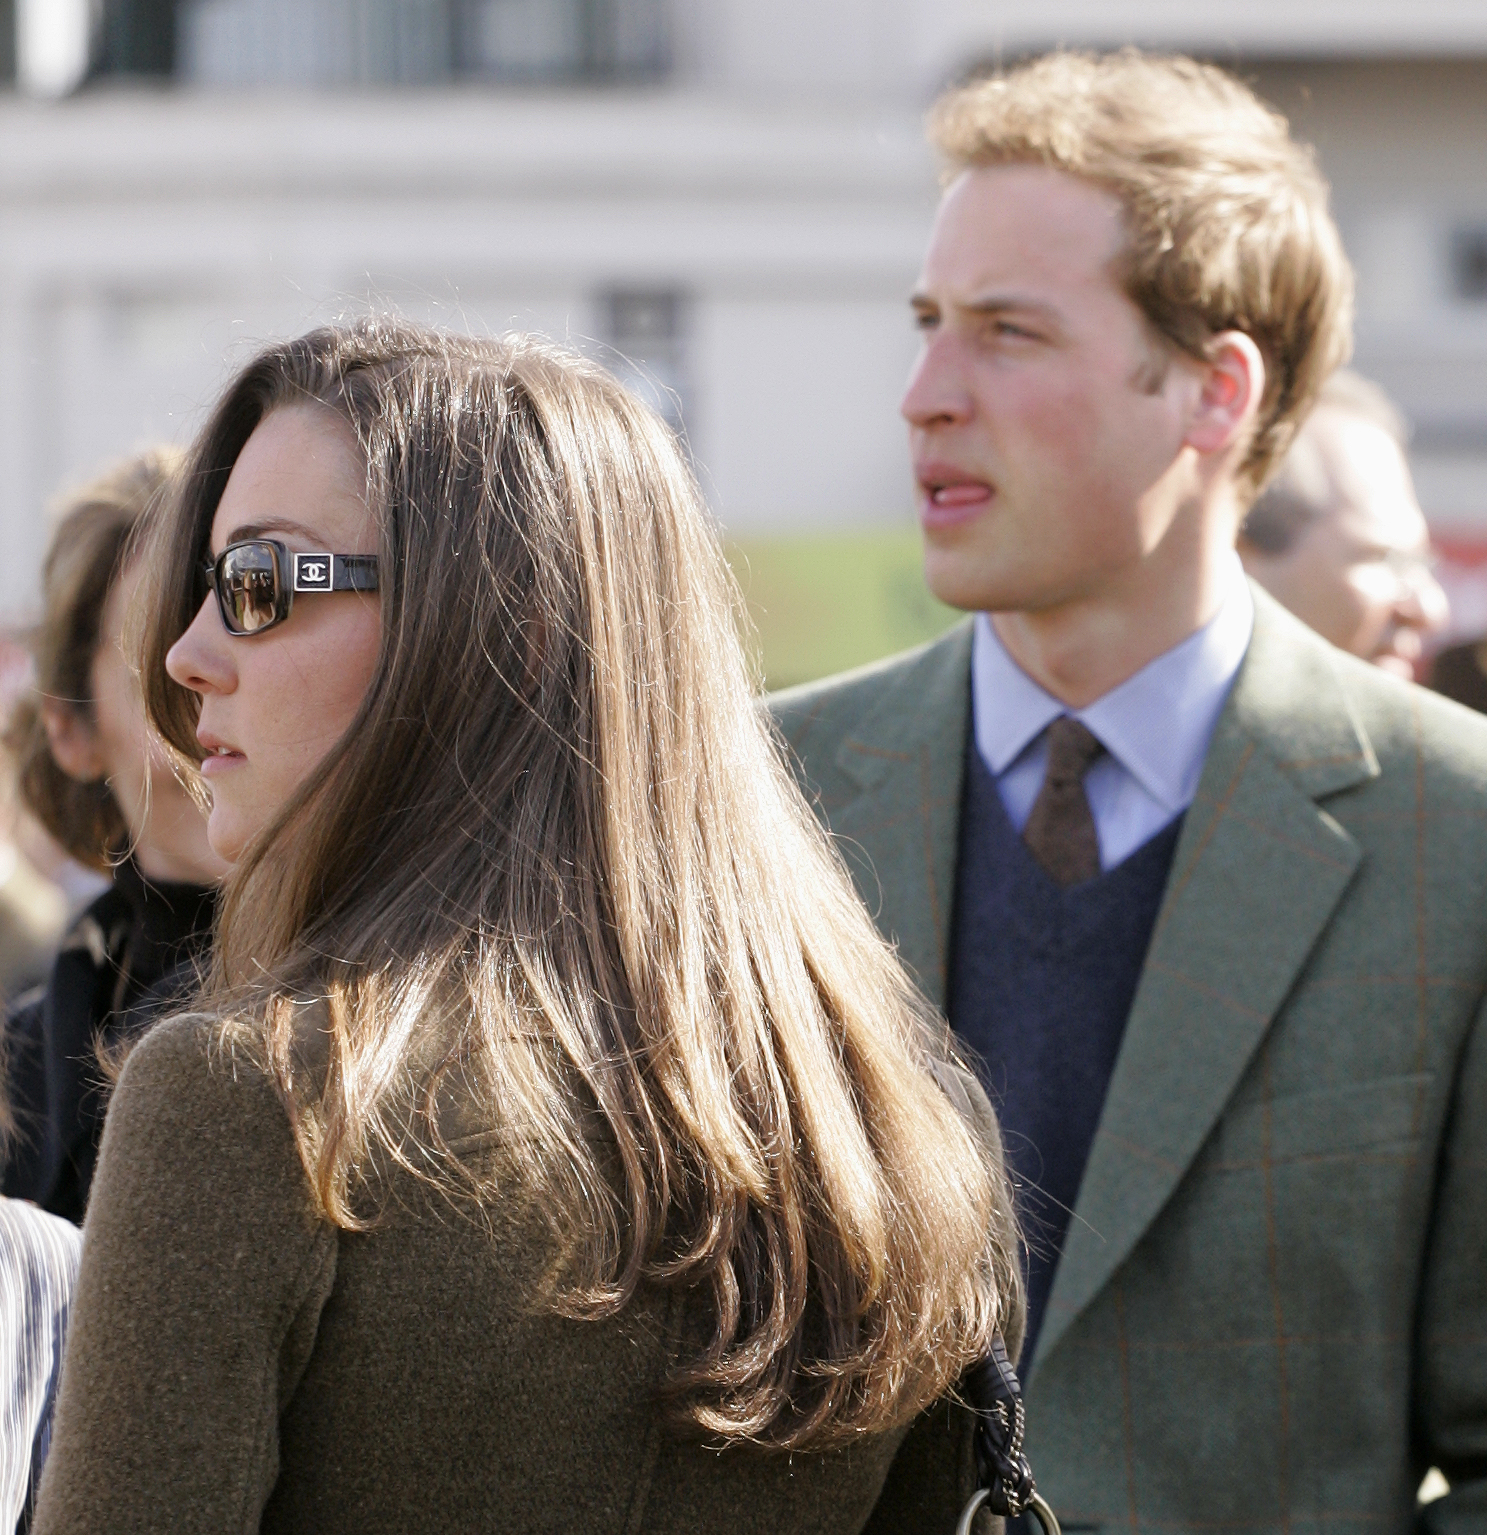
x=1060 y=832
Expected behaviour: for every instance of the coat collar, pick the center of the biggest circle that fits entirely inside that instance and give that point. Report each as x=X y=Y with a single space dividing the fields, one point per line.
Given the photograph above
x=1259 y=871
x=907 y=756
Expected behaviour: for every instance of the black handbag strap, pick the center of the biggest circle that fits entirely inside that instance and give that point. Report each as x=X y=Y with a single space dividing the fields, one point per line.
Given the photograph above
x=1006 y=1479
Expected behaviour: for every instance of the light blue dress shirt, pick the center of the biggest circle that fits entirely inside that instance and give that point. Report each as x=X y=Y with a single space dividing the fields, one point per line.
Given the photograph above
x=1155 y=726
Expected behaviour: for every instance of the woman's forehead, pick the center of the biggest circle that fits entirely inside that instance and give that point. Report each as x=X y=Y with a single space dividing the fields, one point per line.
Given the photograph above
x=299 y=476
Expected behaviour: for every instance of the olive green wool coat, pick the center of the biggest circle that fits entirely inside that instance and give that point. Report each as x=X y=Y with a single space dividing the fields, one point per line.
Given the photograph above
x=1270 y=1314
x=236 y=1363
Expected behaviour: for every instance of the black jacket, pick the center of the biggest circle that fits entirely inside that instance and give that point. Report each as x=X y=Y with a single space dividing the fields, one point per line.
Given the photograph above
x=124 y=961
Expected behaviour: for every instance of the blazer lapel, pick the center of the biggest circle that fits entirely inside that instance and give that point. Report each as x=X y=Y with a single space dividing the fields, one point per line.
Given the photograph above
x=1259 y=869
x=907 y=757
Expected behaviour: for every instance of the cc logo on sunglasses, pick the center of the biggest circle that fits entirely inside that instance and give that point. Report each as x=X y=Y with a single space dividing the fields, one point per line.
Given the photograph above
x=312 y=572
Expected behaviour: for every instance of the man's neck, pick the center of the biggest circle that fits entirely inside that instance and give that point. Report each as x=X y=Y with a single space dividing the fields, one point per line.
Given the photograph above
x=1080 y=650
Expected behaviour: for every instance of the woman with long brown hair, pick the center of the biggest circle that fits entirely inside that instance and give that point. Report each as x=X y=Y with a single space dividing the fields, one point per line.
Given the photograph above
x=556 y=1145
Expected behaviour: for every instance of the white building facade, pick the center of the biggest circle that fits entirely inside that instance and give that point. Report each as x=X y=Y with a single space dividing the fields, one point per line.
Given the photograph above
x=731 y=194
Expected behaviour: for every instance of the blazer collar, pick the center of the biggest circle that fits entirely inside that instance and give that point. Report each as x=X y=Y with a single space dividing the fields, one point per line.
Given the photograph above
x=1258 y=872
x=906 y=754
x=1156 y=724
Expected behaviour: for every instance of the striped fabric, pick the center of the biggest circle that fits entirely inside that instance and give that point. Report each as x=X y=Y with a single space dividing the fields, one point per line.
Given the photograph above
x=38 y=1265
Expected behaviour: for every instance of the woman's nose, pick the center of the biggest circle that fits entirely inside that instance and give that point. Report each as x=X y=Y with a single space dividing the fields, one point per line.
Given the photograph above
x=202 y=658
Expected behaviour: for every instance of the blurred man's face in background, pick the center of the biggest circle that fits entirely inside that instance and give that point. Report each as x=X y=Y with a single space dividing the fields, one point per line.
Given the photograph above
x=1357 y=570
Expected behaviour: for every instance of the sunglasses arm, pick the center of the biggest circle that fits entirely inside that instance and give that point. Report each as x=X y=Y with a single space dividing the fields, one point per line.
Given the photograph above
x=333 y=572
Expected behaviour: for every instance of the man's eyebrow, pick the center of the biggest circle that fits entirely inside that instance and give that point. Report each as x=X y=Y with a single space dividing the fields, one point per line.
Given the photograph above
x=1001 y=303
x=989 y=304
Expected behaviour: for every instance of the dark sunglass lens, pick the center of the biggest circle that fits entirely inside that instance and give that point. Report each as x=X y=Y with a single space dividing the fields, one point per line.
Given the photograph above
x=249 y=583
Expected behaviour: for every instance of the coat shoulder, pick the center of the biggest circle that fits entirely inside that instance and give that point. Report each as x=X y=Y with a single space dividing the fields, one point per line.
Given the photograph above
x=817 y=716
x=1439 y=746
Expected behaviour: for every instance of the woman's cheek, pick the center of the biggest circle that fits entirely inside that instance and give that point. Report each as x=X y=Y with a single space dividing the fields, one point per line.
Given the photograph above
x=360 y=641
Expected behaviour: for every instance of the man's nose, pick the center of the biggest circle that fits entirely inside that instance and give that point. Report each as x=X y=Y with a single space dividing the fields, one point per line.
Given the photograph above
x=937 y=393
x=1422 y=604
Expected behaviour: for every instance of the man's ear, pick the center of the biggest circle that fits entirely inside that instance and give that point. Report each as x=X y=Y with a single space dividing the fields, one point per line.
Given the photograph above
x=1233 y=386
x=73 y=741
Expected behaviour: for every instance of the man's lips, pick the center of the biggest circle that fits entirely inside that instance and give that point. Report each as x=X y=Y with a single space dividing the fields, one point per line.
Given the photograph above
x=967 y=494
x=947 y=495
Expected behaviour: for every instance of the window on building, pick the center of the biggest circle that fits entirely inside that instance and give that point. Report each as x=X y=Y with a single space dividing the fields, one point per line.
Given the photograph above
x=356 y=42
x=7 y=42
x=314 y=42
x=562 y=39
x=645 y=335
x=1469 y=264
x=51 y=47
x=54 y=46
x=137 y=37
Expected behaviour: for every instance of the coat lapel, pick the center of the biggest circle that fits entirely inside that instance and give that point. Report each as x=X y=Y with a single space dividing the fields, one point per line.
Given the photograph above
x=906 y=755
x=1258 y=872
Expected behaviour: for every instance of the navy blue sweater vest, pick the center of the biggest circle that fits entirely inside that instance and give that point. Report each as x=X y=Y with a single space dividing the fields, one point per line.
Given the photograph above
x=1041 y=984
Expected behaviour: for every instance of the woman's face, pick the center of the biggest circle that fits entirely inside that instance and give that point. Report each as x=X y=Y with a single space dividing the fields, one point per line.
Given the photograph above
x=112 y=741
x=272 y=705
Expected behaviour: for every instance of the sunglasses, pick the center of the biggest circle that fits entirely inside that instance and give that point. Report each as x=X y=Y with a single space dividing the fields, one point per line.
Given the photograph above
x=255 y=581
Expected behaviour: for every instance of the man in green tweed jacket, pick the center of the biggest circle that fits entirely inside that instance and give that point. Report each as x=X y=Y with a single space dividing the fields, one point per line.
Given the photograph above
x=1268 y=1311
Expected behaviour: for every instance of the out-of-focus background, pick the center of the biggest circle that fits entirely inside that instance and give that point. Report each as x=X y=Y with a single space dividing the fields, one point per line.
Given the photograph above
x=726 y=198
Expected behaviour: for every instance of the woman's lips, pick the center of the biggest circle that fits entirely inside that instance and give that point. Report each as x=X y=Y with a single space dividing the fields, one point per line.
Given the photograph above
x=219 y=760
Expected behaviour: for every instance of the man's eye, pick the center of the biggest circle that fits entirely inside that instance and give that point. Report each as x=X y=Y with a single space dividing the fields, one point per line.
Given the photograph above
x=1007 y=328
x=924 y=320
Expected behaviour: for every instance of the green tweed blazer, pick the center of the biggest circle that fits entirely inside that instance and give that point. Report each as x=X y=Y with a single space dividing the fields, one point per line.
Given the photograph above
x=1270 y=1314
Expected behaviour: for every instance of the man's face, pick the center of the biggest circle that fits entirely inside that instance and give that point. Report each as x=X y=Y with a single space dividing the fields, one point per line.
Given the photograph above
x=1042 y=412
x=1358 y=574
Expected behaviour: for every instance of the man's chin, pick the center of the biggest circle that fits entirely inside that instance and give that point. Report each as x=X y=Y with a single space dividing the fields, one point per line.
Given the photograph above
x=956 y=581
x=1397 y=666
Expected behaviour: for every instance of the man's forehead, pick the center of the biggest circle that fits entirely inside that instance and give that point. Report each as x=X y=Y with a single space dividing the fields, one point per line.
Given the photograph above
x=1374 y=495
x=1358 y=452
x=1020 y=227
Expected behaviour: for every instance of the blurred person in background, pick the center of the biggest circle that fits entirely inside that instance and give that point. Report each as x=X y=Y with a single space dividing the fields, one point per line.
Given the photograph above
x=1459 y=672
x=1206 y=896
x=555 y=1143
x=1338 y=536
x=88 y=769
x=33 y=908
x=38 y=1268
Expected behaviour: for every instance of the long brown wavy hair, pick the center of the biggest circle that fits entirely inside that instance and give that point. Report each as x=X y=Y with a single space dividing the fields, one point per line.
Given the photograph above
x=557 y=873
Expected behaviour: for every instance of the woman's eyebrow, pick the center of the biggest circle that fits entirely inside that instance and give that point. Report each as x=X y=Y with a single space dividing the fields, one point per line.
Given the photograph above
x=273 y=525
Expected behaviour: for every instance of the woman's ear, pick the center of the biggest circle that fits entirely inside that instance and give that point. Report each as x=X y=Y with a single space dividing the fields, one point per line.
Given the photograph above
x=1233 y=386
x=73 y=741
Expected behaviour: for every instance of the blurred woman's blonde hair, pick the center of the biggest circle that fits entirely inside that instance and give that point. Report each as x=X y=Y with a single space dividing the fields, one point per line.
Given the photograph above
x=1226 y=216
x=556 y=881
x=94 y=526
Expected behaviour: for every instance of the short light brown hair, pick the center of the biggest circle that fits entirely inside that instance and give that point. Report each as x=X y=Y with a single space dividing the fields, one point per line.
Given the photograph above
x=1226 y=215
x=85 y=558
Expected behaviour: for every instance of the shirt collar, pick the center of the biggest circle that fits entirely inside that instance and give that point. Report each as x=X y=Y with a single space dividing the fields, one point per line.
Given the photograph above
x=1157 y=724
